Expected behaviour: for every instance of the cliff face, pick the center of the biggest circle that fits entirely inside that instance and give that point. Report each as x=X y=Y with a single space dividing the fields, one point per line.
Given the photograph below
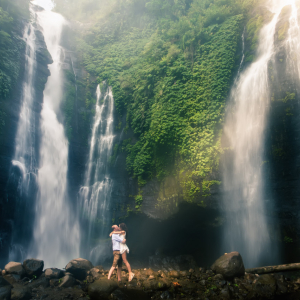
x=13 y=205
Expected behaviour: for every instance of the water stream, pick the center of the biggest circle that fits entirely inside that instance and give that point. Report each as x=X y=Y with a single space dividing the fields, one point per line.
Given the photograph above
x=56 y=231
x=94 y=196
x=247 y=227
x=24 y=165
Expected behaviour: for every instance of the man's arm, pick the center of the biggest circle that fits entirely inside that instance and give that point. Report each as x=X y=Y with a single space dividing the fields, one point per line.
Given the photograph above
x=117 y=238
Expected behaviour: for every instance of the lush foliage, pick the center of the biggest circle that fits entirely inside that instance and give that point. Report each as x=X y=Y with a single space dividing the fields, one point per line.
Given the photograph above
x=170 y=63
x=11 y=48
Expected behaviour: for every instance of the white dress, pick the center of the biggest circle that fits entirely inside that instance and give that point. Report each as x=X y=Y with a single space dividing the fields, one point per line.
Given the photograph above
x=123 y=247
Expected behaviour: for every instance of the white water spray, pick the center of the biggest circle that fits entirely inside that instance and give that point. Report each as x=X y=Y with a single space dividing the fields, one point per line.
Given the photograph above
x=94 y=196
x=56 y=233
x=247 y=230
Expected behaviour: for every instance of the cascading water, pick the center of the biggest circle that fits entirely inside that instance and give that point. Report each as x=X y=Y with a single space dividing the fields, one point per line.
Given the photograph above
x=94 y=196
x=24 y=163
x=247 y=228
x=56 y=232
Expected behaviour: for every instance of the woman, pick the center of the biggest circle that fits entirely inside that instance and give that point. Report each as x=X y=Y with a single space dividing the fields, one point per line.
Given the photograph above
x=123 y=247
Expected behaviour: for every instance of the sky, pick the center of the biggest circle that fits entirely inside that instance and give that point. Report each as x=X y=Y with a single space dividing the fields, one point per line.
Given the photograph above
x=46 y=4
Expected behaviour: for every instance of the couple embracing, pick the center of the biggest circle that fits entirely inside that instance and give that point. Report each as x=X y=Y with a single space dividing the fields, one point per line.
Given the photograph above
x=120 y=250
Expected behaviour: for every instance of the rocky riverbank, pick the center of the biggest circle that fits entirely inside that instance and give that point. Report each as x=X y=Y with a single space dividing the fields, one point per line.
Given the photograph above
x=226 y=279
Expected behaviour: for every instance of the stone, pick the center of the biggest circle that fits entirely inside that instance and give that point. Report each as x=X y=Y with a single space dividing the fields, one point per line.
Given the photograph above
x=12 y=278
x=101 y=288
x=54 y=273
x=129 y=294
x=95 y=273
x=166 y=295
x=79 y=268
x=230 y=265
x=5 y=292
x=174 y=274
x=264 y=286
x=3 y=272
x=15 y=268
x=155 y=285
x=33 y=267
x=218 y=277
x=224 y=294
x=68 y=281
x=43 y=282
x=20 y=292
x=149 y=272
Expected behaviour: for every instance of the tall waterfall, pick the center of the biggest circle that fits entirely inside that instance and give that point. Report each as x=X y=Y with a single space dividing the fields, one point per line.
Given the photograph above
x=94 y=196
x=25 y=157
x=56 y=231
x=246 y=229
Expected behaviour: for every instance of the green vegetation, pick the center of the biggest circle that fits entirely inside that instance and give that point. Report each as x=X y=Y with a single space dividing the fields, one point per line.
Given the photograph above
x=11 y=49
x=170 y=64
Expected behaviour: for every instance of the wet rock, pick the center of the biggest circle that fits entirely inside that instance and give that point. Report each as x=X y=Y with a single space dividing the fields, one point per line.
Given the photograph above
x=68 y=281
x=43 y=282
x=265 y=286
x=5 y=289
x=95 y=273
x=3 y=272
x=54 y=273
x=33 y=267
x=218 y=277
x=128 y=294
x=79 y=268
x=149 y=272
x=12 y=278
x=101 y=288
x=225 y=294
x=155 y=285
x=230 y=265
x=166 y=295
x=174 y=274
x=15 y=268
x=20 y=292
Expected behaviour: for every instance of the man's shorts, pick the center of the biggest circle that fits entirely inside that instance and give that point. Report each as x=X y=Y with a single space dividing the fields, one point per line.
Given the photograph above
x=117 y=259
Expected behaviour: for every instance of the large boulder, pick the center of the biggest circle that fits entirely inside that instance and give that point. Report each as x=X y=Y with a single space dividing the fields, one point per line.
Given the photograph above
x=68 y=281
x=264 y=287
x=79 y=267
x=14 y=268
x=20 y=292
x=54 y=273
x=230 y=265
x=101 y=288
x=5 y=289
x=33 y=267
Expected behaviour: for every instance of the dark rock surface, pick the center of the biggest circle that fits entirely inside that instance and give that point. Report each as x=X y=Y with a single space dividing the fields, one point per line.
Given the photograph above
x=20 y=292
x=101 y=288
x=79 y=267
x=67 y=281
x=229 y=265
x=33 y=267
x=53 y=273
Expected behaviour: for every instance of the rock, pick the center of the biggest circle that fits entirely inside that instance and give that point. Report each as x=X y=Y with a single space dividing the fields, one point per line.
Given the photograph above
x=225 y=294
x=174 y=274
x=230 y=265
x=54 y=273
x=5 y=292
x=79 y=268
x=264 y=286
x=3 y=272
x=166 y=295
x=218 y=277
x=155 y=285
x=12 y=278
x=15 y=268
x=33 y=267
x=67 y=281
x=149 y=272
x=20 y=292
x=129 y=294
x=101 y=288
x=43 y=282
x=95 y=273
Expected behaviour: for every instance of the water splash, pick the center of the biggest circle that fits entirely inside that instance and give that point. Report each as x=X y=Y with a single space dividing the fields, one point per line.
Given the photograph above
x=56 y=233
x=246 y=229
x=94 y=196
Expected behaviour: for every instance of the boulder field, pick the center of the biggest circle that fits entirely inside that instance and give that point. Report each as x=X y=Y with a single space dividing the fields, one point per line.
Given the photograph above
x=226 y=279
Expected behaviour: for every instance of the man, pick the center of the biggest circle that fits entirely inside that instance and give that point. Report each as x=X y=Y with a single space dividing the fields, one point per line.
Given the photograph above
x=116 y=240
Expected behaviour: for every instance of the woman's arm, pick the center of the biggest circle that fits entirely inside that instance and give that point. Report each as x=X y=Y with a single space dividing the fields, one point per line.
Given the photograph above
x=116 y=232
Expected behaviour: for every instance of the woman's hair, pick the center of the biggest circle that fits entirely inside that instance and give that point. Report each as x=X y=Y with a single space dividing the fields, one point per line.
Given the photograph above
x=123 y=227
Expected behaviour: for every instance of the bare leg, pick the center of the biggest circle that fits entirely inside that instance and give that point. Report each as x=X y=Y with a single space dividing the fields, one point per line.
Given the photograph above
x=124 y=257
x=110 y=272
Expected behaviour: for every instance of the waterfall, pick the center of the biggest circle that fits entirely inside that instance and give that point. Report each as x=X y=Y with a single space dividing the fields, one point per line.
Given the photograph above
x=56 y=231
x=244 y=203
x=24 y=166
x=94 y=196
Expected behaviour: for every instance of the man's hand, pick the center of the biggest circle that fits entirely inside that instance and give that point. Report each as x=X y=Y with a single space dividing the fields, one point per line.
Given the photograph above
x=124 y=241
